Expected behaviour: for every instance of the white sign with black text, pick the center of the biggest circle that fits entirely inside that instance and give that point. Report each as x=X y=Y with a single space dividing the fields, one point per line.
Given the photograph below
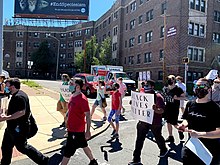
x=141 y=106
x=65 y=92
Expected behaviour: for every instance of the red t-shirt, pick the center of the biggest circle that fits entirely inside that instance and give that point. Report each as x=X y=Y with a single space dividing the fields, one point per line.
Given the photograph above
x=115 y=99
x=77 y=107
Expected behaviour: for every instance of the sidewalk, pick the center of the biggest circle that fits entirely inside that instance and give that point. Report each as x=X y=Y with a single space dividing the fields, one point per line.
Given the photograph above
x=50 y=136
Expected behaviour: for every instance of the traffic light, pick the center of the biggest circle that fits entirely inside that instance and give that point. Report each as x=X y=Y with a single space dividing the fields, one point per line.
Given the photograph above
x=185 y=60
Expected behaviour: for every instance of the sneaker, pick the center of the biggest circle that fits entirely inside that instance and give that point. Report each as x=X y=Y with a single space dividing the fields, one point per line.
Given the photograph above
x=170 y=139
x=181 y=135
x=93 y=162
x=135 y=163
x=163 y=153
x=115 y=135
x=113 y=132
x=63 y=124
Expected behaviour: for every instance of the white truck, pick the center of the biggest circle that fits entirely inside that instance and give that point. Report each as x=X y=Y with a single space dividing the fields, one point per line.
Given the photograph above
x=112 y=73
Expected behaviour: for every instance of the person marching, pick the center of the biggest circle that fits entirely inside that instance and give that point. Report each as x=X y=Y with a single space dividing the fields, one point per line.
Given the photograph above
x=201 y=120
x=98 y=101
x=62 y=103
x=172 y=96
x=116 y=109
x=179 y=83
x=78 y=111
x=122 y=90
x=156 y=127
x=16 y=132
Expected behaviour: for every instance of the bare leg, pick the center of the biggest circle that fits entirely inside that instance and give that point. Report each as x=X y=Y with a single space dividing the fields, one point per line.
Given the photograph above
x=112 y=124
x=170 y=129
x=93 y=109
x=65 y=161
x=117 y=127
x=88 y=153
x=104 y=112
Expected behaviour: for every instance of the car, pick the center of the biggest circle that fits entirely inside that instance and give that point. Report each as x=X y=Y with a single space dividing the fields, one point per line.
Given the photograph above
x=89 y=85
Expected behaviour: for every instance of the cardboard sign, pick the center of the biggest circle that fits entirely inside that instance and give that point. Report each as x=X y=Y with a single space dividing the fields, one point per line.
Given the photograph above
x=65 y=92
x=141 y=107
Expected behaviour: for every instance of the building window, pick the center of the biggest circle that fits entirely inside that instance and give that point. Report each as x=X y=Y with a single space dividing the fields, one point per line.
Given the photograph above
x=160 y=75
x=115 y=15
x=141 y=2
x=219 y=59
x=140 y=19
x=131 y=42
x=131 y=60
x=149 y=15
x=132 y=24
x=69 y=55
x=163 y=7
x=115 y=30
x=63 y=46
x=217 y=16
x=148 y=36
x=126 y=26
x=196 y=29
x=63 y=35
x=198 y=5
x=19 y=54
x=191 y=76
x=216 y=37
x=133 y=6
x=161 y=55
x=78 y=43
x=70 y=44
x=125 y=60
x=196 y=54
x=36 y=35
x=147 y=57
x=87 y=32
x=138 y=59
x=18 y=64
x=36 y=45
x=19 y=34
x=71 y=34
x=62 y=55
x=19 y=44
x=114 y=46
x=139 y=39
x=109 y=20
x=126 y=43
x=161 y=31
x=104 y=24
x=78 y=33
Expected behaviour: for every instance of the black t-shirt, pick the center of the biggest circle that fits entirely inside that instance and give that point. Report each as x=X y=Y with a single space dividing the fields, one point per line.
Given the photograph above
x=168 y=95
x=203 y=117
x=19 y=101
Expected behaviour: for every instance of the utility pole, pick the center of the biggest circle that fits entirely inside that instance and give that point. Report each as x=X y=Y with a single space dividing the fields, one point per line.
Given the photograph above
x=164 y=49
x=1 y=36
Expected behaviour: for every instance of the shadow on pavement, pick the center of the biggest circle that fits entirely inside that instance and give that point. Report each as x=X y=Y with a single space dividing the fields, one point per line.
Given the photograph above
x=97 y=124
x=55 y=159
x=176 y=155
x=58 y=133
x=114 y=146
x=122 y=118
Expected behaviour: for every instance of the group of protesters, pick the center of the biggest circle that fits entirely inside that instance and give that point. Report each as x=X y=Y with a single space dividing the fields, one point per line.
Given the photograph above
x=199 y=118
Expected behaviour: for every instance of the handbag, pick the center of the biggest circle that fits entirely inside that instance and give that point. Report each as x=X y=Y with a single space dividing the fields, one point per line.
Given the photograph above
x=32 y=131
x=104 y=103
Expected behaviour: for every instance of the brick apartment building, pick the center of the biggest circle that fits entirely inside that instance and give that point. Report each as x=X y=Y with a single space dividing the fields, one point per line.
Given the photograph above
x=147 y=36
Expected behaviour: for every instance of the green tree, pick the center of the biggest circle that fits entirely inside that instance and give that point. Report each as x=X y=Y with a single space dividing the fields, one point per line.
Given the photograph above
x=42 y=59
x=79 y=60
x=105 y=52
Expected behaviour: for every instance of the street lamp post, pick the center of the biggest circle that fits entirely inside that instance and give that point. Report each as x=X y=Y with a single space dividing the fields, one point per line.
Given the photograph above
x=58 y=53
x=30 y=64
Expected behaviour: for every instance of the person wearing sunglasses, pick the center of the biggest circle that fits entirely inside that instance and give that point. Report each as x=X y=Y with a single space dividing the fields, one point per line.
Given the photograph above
x=201 y=120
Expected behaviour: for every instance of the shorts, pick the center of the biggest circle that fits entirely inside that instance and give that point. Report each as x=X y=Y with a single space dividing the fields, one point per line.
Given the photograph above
x=171 y=115
x=98 y=102
x=75 y=140
x=117 y=116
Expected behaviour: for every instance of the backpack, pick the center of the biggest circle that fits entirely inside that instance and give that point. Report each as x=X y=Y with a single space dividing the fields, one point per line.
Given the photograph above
x=32 y=131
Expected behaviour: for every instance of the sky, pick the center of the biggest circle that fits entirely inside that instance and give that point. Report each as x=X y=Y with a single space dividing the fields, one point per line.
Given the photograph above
x=97 y=8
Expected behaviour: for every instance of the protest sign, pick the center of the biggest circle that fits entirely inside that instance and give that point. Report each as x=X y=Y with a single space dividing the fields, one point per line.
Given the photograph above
x=65 y=92
x=141 y=106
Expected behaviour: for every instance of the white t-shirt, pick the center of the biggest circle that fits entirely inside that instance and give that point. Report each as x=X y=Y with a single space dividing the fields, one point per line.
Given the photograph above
x=100 y=91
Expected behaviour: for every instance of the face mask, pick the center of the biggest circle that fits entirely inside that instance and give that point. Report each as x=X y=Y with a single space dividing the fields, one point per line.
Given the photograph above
x=7 y=90
x=72 y=88
x=177 y=81
x=170 y=82
x=201 y=92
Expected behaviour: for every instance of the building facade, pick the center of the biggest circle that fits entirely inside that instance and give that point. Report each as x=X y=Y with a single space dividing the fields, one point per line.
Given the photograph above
x=149 y=38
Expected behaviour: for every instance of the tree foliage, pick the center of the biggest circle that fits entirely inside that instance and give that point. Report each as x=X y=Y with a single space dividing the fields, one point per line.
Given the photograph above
x=105 y=52
x=42 y=58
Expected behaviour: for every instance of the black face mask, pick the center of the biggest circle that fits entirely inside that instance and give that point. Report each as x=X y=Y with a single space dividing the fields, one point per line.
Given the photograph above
x=201 y=92
x=170 y=82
